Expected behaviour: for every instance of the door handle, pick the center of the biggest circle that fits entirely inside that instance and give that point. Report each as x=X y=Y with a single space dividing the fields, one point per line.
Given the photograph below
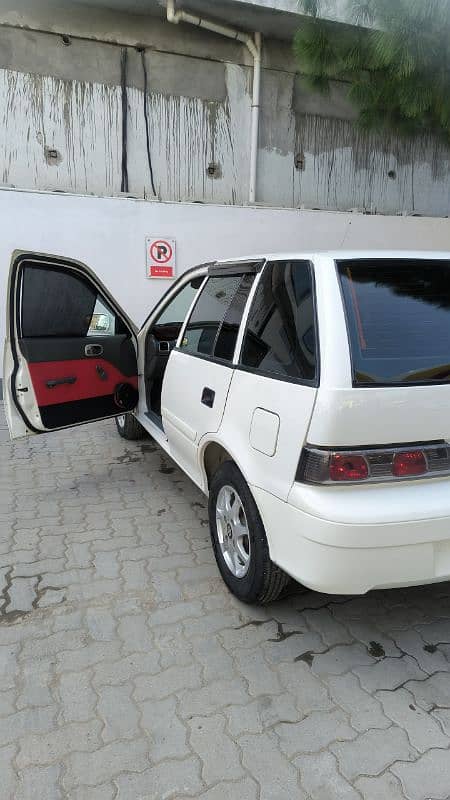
x=93 y=350
x=208 y=396
x=59 y=381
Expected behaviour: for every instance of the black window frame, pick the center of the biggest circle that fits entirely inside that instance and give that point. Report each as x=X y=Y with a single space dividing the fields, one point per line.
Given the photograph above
x=315 y=382
x=216 y=270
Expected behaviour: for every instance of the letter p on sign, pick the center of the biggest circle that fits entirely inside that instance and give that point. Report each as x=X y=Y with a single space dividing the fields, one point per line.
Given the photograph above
x=160 y=257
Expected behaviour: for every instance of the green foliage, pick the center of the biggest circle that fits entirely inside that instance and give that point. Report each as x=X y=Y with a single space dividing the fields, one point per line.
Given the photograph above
x=398 y=68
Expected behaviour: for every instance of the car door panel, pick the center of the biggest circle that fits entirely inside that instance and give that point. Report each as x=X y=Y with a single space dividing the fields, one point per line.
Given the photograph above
x=59 y=372
x=199 y=372
x=51 y=362
x=185 y=418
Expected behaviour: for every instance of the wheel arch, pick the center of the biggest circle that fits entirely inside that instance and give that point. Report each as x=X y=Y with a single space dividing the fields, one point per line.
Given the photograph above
x=213 y=453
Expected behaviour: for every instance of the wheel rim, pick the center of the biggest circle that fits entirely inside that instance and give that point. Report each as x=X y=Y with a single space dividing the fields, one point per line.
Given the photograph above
x=232 y=531
x=121 y=421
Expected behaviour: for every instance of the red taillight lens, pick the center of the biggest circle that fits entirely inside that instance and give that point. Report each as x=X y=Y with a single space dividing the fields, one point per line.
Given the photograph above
x=409 y=462
x=347 y=467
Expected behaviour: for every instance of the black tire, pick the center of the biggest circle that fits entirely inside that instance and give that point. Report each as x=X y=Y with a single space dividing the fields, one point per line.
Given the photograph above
x=129 y=428
x=264 y=581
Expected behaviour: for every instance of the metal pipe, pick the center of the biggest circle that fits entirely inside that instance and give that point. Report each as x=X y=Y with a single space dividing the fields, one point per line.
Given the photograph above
x=256 y=92
x=254 y=46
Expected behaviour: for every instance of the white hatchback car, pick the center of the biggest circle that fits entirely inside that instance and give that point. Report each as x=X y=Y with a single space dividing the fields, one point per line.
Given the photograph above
x=307 y=394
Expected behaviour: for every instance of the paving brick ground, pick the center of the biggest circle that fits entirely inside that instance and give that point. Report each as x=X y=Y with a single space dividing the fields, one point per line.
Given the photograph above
x=128 y=672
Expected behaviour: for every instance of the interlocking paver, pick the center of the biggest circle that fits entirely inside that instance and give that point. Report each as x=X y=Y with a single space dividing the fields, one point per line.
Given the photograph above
x=118 y=712
x=261 y=679
x=35 y=683
x=278 y=779
x=310 y=693
x=29 y=720
x=372 y=752
x=364 y=710
x=165 y=780
x=245 y=789
x=50 y=747
x=321 y=779
x=22 y=594
x=341 y=659
x=171 y=680
x=314 y=733
x=40 y=783
x=429 y=777
x=432 y=692
x=384 y=787
x=127 y=671
x=105 y=763
x=389 y=673
x=77 y=697
x=429 y=659
x=423 y=731
x=7 y=772
x=262 y=713
x=219 y=754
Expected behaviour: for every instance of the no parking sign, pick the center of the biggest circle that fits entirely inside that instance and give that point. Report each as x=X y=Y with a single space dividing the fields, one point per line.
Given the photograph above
x=160 y=257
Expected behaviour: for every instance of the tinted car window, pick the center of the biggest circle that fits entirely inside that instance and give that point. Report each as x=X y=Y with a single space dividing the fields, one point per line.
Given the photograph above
x=214 y=324
x=227 y=336
x=56 y=303
x=398 y=315
x=280 y=338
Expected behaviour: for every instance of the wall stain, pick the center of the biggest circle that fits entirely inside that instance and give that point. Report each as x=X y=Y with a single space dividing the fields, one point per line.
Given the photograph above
x=345 y=168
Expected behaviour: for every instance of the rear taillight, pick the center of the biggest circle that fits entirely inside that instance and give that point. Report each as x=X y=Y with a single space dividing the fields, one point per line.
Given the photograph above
x=326 y=466
x=409 y=462
x=348 y=467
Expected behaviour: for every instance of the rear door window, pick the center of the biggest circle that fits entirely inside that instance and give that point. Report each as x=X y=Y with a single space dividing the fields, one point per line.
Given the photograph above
x=280 y=338
x=398 y=318
x=213 y=327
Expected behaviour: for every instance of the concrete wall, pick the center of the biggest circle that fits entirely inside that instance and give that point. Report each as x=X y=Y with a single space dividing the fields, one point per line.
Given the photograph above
x=61 y=116
x=109 y=235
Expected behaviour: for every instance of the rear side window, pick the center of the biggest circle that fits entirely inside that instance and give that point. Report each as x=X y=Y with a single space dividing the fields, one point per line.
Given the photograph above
x=213 y=327
x=280 y=338
x=398 y=317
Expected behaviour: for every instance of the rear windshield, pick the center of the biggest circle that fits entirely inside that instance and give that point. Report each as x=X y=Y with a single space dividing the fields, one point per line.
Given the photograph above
x=398 y=317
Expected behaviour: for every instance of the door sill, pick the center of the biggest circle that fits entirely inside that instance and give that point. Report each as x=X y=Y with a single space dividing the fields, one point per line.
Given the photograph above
x=155 y=419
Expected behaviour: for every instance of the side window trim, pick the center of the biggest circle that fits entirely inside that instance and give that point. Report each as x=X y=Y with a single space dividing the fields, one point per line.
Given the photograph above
x=315 y=382
x=190 y=310
x=243 y=325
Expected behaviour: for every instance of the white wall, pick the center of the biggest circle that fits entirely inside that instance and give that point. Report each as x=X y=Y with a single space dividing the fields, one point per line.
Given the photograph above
x=109 y=236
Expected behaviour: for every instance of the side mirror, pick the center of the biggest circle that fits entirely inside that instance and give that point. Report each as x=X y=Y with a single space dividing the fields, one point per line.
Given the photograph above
x=100 y=323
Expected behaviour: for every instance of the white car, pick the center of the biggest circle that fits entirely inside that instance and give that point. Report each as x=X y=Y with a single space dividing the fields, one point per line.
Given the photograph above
x=308 y=395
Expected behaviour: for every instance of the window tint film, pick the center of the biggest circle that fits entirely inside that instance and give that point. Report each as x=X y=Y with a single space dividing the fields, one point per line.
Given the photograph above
x=176 y=310
x=280 y=338
x=56 y=303
x=214 y=324
x=398 y=315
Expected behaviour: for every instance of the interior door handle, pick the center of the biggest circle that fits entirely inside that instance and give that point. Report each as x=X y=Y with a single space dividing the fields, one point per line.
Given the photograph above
x=59 y=381
x=208 y=396
x=93 y=350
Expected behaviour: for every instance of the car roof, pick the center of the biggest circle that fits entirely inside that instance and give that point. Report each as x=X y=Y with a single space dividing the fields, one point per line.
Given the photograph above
x=339 y=254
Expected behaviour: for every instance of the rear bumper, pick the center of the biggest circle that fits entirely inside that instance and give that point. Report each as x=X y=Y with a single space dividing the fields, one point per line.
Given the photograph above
x=347 y=558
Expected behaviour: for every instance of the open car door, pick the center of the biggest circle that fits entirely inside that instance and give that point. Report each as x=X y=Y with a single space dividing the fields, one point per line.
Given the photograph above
x=70 y=351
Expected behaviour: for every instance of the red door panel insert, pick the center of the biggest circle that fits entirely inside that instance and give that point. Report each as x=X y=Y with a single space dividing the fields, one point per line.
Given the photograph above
x=94 y=377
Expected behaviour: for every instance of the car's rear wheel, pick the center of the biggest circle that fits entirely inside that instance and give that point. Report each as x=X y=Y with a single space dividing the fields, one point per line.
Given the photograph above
x=239 y=539
x=129 y=428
